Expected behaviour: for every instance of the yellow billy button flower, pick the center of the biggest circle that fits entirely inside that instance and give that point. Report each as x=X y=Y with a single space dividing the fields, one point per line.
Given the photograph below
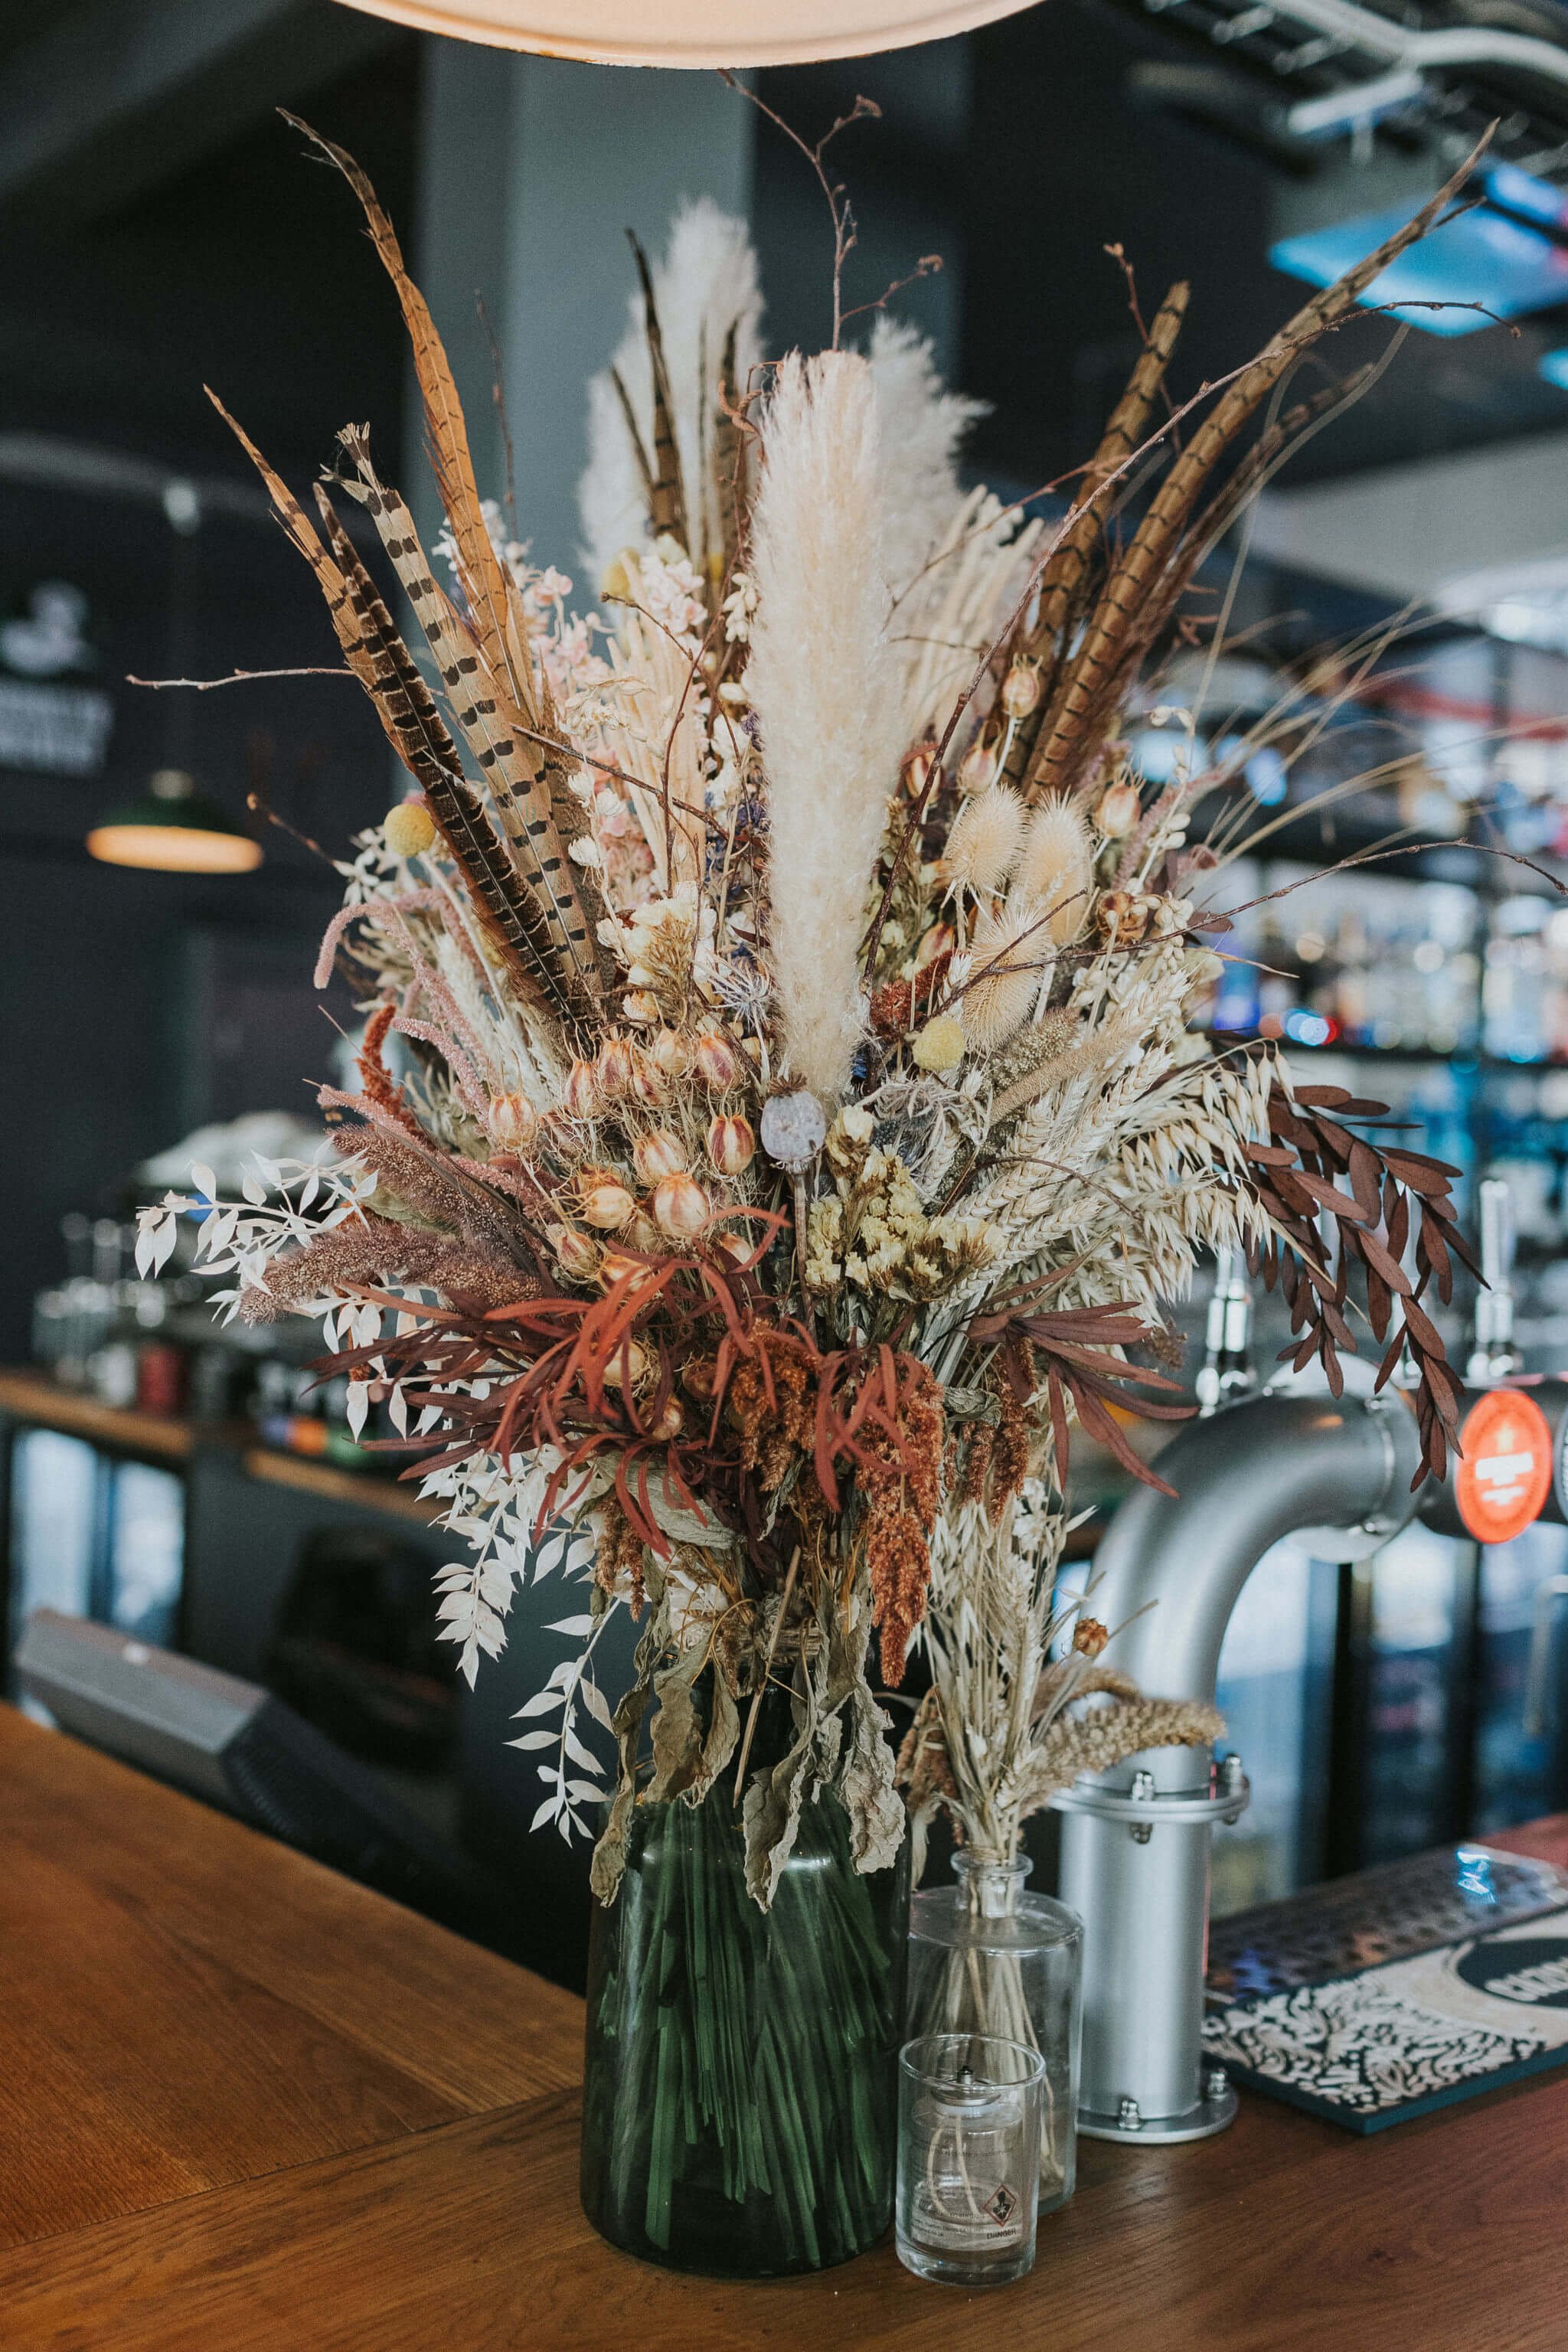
x=409 y=829
x=940 y=1045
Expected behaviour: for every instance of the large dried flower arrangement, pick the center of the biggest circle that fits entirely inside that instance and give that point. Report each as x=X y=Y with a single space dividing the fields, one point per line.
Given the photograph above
x=799 y=1121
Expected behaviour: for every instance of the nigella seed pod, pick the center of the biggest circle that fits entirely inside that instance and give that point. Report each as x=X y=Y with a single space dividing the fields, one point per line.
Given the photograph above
x=627 y=1366
x=1118 y=811
x=604 y=1199
x=978 y=766
x=660 y=1153
x=616 y=1265
x=613 y=1069
x=1020 y=690
x=562 y=1137
x=647 y=1085
x=917 y=769
x=718 y=1063
x=513 y=1121
x=732 y=1143
x=736 y=1245
x=670 y=1051
x=940 y=940
x=671 y=1420
x=577 y=1256
x=680 y=1208
x=640 y=1007
x=579 y=1095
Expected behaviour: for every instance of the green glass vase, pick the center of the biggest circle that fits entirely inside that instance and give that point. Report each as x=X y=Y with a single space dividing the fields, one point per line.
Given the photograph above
x=741 y=2094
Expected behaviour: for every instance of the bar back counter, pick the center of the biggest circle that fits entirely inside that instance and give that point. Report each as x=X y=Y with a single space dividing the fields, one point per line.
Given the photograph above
x=249 y=2107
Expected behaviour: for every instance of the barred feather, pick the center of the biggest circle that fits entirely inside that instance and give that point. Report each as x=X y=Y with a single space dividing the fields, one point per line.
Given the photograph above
x=523 y=804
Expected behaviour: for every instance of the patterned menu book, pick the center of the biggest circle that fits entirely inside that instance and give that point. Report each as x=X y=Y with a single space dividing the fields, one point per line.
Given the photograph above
x=1378 y=1998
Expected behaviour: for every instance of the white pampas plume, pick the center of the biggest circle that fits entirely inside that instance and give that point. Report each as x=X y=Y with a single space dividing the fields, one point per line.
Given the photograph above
x=922 y=425
x=1056 y=869
x=706 y=283
x=1005 y=976
x=820 y=677
x=983 y=845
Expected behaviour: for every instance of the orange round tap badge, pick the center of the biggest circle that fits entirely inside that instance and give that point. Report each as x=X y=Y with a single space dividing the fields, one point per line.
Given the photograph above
x=1505 y=1477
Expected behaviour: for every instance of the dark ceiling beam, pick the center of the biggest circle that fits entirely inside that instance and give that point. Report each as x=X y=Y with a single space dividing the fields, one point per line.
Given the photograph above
x=121 y=95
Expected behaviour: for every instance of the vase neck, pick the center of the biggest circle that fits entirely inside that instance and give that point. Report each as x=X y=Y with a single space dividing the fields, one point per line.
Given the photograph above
x=990 y=1889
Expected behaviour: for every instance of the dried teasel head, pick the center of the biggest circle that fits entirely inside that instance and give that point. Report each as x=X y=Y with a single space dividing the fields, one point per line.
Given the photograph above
x=658 y=1153
x=680 y=1208
x=1056 y=870
x=580 y=1096
x=512 y=1122
x=1119 y=809
x=732 y=1143
x=670 y=1051
x=1020 y=690
x=575 y=1254
x=983 y=847
x=1005 y=974
x=718 y=1062
x=602 y=1200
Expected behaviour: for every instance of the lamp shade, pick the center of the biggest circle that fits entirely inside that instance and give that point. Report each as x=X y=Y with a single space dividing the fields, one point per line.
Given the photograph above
x=695 y=33
x=174 y=829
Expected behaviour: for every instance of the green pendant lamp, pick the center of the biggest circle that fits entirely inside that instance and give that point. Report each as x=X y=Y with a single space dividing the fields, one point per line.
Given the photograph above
x=174 y=829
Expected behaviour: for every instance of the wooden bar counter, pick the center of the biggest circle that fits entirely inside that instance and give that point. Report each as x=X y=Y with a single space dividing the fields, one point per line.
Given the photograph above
x=246 y=2106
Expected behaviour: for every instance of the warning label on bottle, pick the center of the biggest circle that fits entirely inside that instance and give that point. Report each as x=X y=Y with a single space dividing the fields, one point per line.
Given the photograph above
x=1505 y=1476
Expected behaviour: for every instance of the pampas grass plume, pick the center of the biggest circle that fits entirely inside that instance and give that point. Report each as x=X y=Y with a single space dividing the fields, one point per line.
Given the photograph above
x=1006 y=964
x=1056 y=869
x=821 y=677
x=983 y=845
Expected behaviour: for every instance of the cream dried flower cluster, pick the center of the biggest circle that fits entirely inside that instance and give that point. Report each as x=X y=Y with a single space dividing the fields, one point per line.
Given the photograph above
x=779 y=1111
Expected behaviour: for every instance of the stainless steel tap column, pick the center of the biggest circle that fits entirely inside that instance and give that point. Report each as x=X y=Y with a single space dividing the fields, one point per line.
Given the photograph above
x=1135 y=1842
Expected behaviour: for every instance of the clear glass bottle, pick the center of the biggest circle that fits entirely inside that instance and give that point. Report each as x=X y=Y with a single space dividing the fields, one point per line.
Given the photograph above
x=987 y=1956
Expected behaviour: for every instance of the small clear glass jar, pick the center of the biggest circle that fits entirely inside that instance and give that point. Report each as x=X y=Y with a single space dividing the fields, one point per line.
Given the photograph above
x=969 y=2152
x=988 y=1958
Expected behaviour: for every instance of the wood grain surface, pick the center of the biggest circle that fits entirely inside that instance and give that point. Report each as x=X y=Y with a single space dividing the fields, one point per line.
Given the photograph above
x=245 y=2108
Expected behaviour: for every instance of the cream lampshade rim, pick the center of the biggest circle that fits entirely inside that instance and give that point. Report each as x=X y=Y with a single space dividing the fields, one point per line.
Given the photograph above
x=543 y=26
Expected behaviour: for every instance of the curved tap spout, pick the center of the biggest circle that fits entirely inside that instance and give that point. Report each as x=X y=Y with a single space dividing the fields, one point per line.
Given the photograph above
x=1268 y=1467
x=1272 y=1467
